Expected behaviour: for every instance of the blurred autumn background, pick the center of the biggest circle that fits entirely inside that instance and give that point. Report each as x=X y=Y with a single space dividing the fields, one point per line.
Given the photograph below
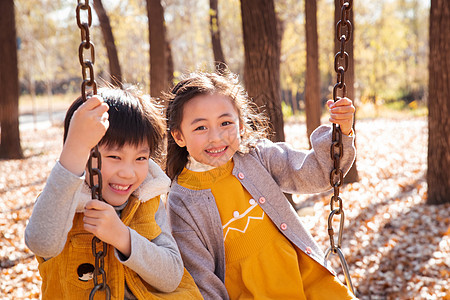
x=396 y=198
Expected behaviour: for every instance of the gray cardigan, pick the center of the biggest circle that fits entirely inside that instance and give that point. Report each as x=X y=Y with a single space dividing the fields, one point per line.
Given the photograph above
x=267 y=171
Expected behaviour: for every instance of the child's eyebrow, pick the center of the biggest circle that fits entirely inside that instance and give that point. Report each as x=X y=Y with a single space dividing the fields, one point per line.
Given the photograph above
x=144 y=150
x=204 y=119
x=118 y=149
x=225 y=115
x=197 y=120
x=112 y=148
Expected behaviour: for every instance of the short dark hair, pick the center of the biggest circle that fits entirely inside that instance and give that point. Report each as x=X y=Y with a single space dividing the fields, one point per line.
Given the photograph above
x=133 y=119
x=200 y=83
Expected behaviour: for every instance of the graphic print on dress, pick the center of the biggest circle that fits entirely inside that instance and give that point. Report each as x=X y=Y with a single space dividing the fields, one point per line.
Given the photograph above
x=237 y=216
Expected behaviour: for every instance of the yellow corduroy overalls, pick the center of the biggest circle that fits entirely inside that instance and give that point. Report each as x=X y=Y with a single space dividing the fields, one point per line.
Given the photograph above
x=62 y=275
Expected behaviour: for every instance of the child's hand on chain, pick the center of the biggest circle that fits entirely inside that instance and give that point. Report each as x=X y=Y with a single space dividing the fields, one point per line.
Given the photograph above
x=101 y=219
x=342 y=113
x=88 y=125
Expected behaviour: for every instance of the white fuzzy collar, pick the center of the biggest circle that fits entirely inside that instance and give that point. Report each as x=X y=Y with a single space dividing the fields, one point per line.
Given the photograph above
x=156 y=183
x=194 y=165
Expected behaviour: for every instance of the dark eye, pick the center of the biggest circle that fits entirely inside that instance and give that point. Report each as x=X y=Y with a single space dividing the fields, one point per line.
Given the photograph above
x=142 y=158
x=225 y=123
x=113 y=157
x=200 y=128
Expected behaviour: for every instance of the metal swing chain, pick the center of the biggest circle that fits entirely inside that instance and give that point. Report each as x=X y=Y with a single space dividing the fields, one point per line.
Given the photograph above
x=343 y=34
x=87 y=70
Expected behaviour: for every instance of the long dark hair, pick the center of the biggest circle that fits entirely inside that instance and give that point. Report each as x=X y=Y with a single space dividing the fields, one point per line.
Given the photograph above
x=133 y=119
x=200 y=83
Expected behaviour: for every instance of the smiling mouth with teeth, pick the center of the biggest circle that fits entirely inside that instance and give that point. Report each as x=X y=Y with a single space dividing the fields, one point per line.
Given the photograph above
x=216 y=151
x=120 y=187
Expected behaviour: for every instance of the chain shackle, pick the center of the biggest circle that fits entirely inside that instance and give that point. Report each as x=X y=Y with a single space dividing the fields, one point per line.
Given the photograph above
x=95 y=175
x=96 y=188
x=341 y=62
x=99 y=269
x=87 y=69
x=339 y=211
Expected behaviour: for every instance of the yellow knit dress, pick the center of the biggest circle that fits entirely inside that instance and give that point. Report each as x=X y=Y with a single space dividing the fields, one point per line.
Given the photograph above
x=260 y=262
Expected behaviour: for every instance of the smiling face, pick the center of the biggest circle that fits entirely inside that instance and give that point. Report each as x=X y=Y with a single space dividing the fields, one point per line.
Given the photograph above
x=209 y=129
x=123 y=170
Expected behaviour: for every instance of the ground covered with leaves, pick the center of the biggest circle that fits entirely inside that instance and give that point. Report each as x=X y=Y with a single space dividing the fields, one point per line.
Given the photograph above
x=396 y=246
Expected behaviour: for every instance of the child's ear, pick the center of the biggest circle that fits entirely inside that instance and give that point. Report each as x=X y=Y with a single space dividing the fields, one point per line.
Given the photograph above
x=178 y=137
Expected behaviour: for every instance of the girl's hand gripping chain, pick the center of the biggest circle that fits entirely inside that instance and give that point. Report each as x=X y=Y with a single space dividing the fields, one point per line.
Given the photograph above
x=342 y=113
x=88 y=125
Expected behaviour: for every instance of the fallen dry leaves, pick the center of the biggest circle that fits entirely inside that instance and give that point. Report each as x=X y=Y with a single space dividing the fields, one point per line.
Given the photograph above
x=20 y=183
x=396 y=246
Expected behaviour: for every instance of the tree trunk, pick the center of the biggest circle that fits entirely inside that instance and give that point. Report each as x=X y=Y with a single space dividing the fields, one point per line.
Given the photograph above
x=262 y=45
x=114 y=66
x=170 y=67
x=438 y=175
x=312 y=85
x=9 y=84
x=158 y=48
x=219 y=58
x=352 y=175
x=262 y=60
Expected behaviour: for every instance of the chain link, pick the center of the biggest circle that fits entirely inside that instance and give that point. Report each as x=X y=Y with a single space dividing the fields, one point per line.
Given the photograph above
x=341 y=61
x=95 y=175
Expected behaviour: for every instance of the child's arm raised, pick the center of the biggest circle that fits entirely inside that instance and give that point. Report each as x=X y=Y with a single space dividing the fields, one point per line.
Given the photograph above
x=299 y=171
x=53 y=212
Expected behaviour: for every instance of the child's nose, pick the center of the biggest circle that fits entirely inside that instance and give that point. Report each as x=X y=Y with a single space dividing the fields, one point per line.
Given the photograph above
x=126 y=171
x=215 y=135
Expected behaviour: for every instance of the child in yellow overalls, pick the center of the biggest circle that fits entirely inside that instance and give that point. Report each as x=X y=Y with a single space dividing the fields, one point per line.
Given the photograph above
x=142 y=261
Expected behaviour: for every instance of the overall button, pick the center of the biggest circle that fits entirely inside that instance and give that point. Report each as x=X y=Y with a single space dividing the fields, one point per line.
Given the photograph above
x=283 y=226
x=262 y=200
x=308 y=250
x=241 y=175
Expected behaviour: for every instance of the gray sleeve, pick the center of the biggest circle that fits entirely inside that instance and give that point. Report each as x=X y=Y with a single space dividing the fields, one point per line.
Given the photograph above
x=297 y=171
x=158 y=261
x=199 y=256
x=53 y=213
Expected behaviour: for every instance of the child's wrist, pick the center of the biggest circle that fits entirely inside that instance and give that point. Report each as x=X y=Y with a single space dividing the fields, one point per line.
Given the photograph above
x=77 y=148
x=349 y=132
x=74 y=158
x=123 y=244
